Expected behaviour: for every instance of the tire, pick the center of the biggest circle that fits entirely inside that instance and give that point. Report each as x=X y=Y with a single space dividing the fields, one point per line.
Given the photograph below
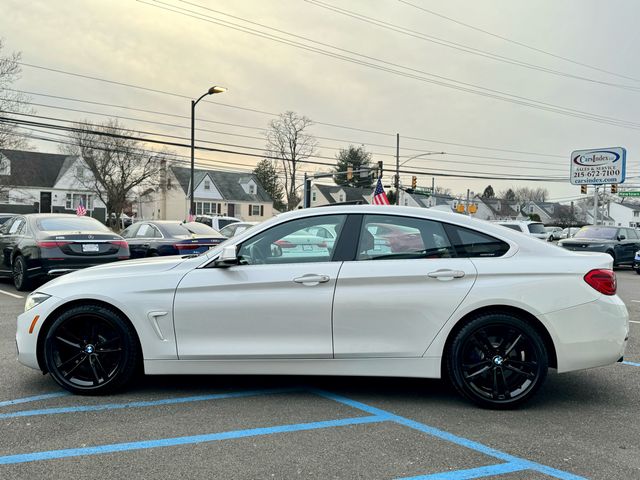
x=21 y=279
x=613 y=255
x=638 y=270
x=91 y=350
x=497 y=361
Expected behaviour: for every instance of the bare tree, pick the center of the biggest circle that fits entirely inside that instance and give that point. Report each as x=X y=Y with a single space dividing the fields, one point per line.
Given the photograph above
x=118 y=165
x=288 y=142
x=11 y=101
x=525 y=194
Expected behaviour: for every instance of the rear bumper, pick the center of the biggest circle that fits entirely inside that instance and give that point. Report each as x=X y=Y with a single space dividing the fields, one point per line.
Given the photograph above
x=55 y=268
x=589 y=335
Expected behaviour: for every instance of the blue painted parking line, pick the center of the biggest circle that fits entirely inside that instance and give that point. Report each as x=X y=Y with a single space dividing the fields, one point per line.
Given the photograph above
x=487 y=471
x=149 y=403
x=34 y=398
x=177 y=441
x=376 y=415
x=463 y=442
x=632 y=364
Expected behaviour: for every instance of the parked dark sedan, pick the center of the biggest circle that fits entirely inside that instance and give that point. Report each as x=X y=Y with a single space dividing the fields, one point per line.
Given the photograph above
x=38 y=246
x=619 y=242
x=5 y=217
x=166 y=237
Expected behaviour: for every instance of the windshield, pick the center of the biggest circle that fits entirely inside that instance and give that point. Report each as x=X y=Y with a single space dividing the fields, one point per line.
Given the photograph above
x=605 y=233
x=71 y=224
x=536 y=228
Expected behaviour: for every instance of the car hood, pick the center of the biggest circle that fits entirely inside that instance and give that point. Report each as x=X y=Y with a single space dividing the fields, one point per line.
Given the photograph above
x=129 y=268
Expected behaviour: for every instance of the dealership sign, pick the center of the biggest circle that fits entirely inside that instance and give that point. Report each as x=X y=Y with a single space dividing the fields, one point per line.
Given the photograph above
x=598 y=166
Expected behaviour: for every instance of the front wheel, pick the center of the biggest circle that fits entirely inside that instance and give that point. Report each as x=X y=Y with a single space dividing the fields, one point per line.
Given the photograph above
x=91 y=350
x=497 y=360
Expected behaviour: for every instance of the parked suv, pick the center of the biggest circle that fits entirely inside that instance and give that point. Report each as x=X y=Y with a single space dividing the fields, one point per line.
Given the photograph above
x=619 y=242
x=215 y=221
x=535 y=229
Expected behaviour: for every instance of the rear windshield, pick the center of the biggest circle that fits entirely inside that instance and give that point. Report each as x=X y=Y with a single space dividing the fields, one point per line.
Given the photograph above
x=201 y=229
x=71 y=224
x=511 y=226
x=607 y=233
x=224 y=223
x=175 y=230
x=536 y=228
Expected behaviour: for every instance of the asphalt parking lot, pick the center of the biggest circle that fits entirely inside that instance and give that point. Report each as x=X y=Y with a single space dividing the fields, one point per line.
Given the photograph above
x=581 y=425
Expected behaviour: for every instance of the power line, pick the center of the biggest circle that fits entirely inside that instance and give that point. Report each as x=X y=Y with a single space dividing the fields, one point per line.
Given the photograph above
x=426 y=140
x=436 y=79
x=311 y=156
x=463 y=48
x=431 y=171
x=521 y=44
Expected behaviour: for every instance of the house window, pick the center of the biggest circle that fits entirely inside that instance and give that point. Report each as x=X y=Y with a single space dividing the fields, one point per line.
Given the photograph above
x=636 y=213
x=207 y=185
x=80 y=172
x=313 y=196
x=252 y=189
x=256 y=210
x=5 y=166
x=72 y=201
x=341 y=198
x=531 y=209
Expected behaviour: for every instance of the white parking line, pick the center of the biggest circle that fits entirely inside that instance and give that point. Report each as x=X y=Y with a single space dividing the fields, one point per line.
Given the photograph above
x=635 y=301
x=11 y=294
x=633 y=321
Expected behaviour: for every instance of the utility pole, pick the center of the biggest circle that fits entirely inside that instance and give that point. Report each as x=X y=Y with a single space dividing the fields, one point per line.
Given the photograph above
x=595 y=205
x=433 y=186
x=466 y=209
x=397 y=183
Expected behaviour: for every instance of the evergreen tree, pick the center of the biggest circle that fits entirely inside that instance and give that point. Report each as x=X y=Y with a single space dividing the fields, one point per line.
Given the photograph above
x=267 y=176
x=357 y=158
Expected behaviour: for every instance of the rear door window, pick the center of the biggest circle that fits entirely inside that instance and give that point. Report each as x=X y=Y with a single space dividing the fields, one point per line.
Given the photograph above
x=471 y=243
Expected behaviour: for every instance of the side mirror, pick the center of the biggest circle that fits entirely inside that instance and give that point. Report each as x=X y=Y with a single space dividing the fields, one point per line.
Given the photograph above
x=276 y=250
x=621 y=237
x=227 y=258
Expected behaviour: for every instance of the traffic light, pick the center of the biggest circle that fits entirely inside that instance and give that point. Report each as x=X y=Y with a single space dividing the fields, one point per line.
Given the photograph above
x=614 y=188
x=414 y=182
x=583 y=189
x=349 y=172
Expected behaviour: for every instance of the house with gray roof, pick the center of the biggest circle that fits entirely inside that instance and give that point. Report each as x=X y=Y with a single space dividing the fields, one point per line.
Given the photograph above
x=35 y=182
x=235 y=194
x=322 y=195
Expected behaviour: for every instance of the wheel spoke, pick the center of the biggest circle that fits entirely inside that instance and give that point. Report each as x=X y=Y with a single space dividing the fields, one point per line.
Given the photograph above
x=478 y=372
x=513 y=344
x=107 y=342
x=68 y=342
x=499 y=387
x=96 y=375
x=105 y=374
x=521 y=372
x=108 y=350
x=68 y=374
x=64 y=364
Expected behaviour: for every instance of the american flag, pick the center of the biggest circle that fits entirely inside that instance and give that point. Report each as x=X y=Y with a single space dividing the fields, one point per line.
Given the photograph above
x=81 y=211
x=379 y=197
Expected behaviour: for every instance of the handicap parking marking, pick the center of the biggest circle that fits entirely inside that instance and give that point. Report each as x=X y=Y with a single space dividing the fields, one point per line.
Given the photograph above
x=376 y=415
x=34 y=398
x=11 y=294
x=147 y=403
x=633 y=364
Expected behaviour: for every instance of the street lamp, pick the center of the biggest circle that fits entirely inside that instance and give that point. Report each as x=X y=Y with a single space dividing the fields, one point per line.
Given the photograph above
x=423 y=155
x=213 y=90
x=398 y=165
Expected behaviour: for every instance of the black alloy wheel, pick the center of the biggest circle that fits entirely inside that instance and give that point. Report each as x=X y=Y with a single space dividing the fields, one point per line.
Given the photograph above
x=91 y=350
x=498 y=361
x=21 y=278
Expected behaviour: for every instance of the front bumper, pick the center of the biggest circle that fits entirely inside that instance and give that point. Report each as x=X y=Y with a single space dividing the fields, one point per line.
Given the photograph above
x=590 y=335
x=28 y=330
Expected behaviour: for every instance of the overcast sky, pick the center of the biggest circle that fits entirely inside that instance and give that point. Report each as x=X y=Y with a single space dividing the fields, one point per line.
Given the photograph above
x=141 y=44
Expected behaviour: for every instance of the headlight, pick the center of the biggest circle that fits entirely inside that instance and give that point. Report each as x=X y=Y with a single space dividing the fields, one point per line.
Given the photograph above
x=35 y=299
x=597 y=245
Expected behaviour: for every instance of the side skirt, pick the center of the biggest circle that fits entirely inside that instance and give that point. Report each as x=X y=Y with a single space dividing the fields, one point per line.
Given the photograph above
x=425 y=367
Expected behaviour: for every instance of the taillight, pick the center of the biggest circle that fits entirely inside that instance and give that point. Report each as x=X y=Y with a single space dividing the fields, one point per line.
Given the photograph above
x=52 y=244
x=186 y=246
x=285 y=244
x=119 y=243
x=603 y=281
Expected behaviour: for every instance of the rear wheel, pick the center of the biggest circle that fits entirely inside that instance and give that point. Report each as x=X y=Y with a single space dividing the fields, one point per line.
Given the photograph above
x=91 y=350
x=21 y=279
x=497 y=360
x=613 y=255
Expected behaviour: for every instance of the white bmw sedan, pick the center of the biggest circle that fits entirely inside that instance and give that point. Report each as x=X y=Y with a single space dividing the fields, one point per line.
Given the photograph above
x=487 y=307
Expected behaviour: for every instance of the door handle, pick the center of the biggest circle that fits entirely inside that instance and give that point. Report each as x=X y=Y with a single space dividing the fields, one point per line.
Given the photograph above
x=446 y=273
x=312 y=279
